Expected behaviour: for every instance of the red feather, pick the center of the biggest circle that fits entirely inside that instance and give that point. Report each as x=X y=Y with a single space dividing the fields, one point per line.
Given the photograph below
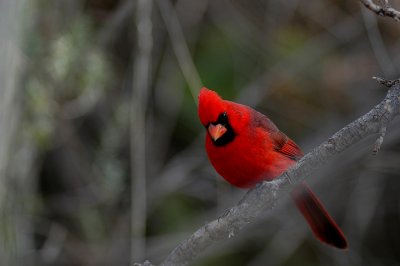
x=252 y=150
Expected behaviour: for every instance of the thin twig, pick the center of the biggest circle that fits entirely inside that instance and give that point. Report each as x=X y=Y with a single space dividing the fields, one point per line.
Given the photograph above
x=145 y=263
x=379 y=141
x=267 y=194
x=386 y=82
x=386 y=10
x=140 y=87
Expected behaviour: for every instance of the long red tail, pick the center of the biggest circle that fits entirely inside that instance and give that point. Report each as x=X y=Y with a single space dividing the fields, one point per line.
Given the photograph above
x=321 y=223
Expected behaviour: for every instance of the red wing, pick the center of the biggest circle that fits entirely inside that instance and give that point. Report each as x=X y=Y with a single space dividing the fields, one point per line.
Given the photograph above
x=286 y=146
x=281 y=142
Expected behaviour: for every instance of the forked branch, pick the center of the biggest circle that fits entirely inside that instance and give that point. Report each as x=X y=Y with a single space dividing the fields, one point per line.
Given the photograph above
x=382 y=10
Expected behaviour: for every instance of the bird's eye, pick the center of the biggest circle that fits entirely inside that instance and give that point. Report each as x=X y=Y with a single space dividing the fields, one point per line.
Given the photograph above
x=223 y=118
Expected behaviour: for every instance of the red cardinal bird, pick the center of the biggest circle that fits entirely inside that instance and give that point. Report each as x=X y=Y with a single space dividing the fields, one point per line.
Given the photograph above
x=245 y=147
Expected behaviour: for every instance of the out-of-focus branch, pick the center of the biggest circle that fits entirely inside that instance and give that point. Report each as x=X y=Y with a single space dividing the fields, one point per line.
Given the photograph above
x=378 y=46
x=267 y=194
x=180 y=47
x=140 y=88
x=386 y=11
x=124 y=10
x=14 y=223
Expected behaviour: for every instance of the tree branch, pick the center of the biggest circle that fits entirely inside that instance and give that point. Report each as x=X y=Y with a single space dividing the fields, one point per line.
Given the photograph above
x=386 y=10
x=267 y=194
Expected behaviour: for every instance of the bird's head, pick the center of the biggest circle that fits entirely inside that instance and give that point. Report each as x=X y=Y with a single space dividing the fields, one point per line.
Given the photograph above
x=224 y=120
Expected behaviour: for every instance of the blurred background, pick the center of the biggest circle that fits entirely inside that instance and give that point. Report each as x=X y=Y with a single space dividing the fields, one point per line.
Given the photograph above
x=102 y=159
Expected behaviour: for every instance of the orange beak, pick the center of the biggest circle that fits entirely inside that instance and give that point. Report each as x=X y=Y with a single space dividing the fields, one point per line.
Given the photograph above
x=216 y=131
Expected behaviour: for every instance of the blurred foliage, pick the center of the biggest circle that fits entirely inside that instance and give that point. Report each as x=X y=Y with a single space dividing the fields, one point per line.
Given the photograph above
x=306 y=64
